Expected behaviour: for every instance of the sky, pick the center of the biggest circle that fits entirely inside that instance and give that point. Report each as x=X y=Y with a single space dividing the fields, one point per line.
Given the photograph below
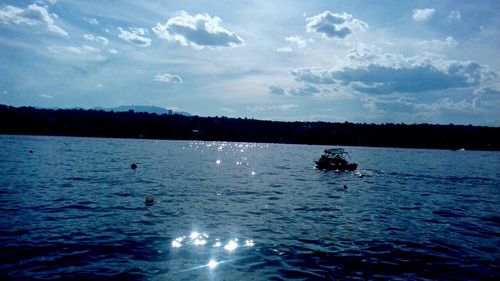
x=358 y=61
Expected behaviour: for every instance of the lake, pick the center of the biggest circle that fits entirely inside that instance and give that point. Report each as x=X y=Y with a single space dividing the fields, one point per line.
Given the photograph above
x=72 y=208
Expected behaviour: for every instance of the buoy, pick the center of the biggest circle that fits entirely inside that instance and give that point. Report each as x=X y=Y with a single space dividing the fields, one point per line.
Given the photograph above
x=133 y=166
x=345 y=186
x=31 y=151
x=149 y=200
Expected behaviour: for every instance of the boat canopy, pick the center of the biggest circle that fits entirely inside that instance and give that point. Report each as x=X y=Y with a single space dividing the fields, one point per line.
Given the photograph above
x=335 y=151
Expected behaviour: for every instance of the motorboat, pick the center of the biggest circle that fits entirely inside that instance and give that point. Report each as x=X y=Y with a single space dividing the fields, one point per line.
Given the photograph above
x=334 y=159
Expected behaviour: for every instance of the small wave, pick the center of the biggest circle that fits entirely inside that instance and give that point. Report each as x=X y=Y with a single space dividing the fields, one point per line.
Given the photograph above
x=318 y=209
x=409 y=208
x=14 y=233
x=467 y=180
x=493 y=220
x=395 y=229
x=77 y=179
x=447 y=214
x=77 y=206
x=434 y=221
x=384 y=260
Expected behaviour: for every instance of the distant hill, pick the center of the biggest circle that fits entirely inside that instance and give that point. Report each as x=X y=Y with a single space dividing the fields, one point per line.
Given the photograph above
x=142 y=108
x=139 y=124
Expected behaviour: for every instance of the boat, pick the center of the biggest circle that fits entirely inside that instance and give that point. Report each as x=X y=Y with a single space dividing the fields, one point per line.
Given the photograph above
x=334 y=159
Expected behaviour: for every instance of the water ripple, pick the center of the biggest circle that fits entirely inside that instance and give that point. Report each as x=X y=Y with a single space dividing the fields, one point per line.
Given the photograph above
x=76 y=210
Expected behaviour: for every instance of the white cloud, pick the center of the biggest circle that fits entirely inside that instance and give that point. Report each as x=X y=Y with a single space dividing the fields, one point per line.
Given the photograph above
x=45 y=2
x=363 y=54
x=33 y=15
x=409 y=110
x=92 y=21
x=398 y=104
x=486 y=96
x=303 y=90
x=306 y=90
x=135 y=36
x=331 y=25
x=486 y=90
x=313 y=75
x=454 y=16
x=85 y=52
x=284 y=50
x=283 y=107
x=422 y=14
x=449 y=105
x=228 y=110
x=198 y=31
x=299 y=40
x=98 y=39
x=113 y=51
x=436 y=44
x=168 y=78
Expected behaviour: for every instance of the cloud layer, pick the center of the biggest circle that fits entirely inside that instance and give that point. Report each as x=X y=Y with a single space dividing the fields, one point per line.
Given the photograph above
x=303 y=90
x=79 y=54
x=422 y=14
x=135 y=36
x=283 y=107
x=454 y=15
x=390 y=73
x=198 y=31
x=168 y=78
x=299 y=40
x=98 y=39
x=331 y=25
x=91 y=21
x=33 y=15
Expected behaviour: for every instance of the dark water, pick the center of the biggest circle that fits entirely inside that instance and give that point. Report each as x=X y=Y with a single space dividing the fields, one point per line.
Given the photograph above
x=73 y=209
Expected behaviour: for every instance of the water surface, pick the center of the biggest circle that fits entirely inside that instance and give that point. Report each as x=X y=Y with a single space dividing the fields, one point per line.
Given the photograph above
x=73 y=209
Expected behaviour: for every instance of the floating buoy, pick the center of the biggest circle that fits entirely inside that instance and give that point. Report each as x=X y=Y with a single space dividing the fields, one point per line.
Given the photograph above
x=133 y=166
x=149 y=200
x=31 y=151
x=345 y=186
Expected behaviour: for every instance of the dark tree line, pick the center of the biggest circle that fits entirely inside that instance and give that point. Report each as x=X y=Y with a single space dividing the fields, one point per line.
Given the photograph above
x=98 y=123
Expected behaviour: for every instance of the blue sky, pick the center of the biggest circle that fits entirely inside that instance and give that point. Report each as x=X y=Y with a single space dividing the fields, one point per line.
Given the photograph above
x=358 y=61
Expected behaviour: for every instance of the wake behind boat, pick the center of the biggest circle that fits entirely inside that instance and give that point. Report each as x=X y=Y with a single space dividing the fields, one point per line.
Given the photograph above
x=334 y=159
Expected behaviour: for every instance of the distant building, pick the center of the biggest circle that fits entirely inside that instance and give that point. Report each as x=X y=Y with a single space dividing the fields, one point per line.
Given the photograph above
x=170 y=112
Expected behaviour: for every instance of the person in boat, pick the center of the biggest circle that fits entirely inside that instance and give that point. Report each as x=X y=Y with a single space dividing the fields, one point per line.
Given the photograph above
x=324 y=158
x=338 y=159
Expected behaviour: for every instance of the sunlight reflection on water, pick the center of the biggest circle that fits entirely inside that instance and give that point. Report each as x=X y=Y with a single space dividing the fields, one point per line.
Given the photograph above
x=212 y=264
x=201 y=241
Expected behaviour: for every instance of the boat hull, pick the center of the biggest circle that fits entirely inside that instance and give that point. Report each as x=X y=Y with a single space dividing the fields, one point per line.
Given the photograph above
x=337 y=167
